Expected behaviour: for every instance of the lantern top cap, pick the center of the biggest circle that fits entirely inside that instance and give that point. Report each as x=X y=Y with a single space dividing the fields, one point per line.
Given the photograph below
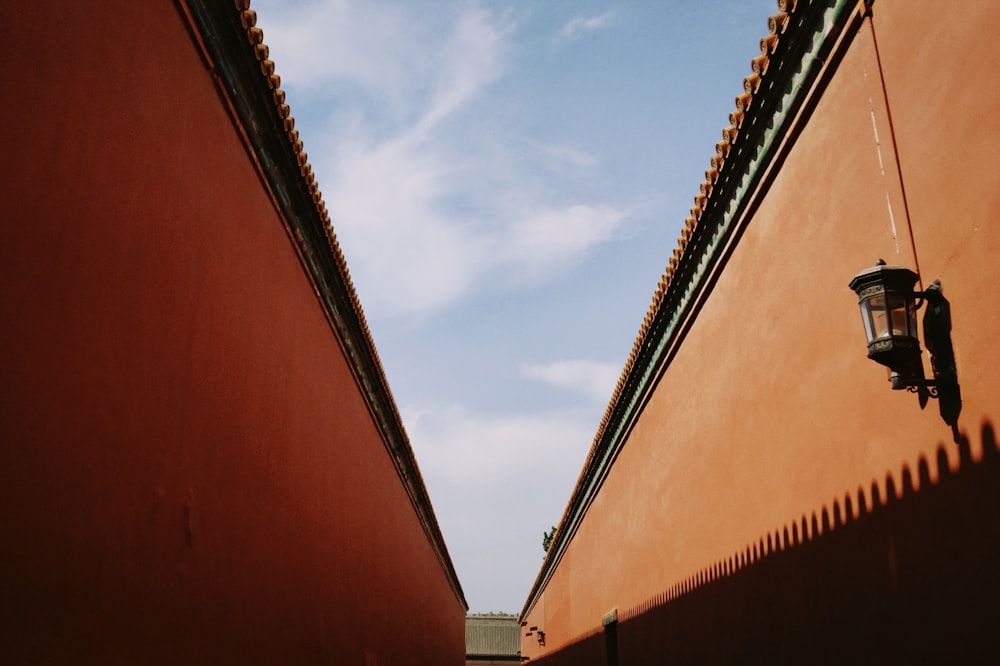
x=892 y=278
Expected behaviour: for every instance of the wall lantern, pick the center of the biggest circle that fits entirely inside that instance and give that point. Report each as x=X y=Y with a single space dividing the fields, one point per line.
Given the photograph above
x=889 y=313
x=541 y=637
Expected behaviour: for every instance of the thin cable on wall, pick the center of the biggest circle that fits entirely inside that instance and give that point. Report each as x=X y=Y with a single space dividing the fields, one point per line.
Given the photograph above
x=895 y=145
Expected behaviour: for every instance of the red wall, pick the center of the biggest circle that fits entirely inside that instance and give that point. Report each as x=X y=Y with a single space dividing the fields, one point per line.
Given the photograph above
x=188 y=471
x=912 y=579
x=770 y=409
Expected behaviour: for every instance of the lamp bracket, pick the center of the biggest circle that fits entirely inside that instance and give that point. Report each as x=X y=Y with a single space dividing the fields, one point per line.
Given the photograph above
x=901 y=353
x=928 y=389
x=925 y=388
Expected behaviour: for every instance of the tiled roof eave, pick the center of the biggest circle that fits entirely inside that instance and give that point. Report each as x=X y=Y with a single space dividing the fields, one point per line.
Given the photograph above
x=806 y=46
x=233 y=50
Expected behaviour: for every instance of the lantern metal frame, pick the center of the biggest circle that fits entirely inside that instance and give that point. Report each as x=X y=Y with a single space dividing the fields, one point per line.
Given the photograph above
x=888 y=309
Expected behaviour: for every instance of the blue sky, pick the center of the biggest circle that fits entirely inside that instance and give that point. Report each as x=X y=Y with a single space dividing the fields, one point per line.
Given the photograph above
x=508 y=181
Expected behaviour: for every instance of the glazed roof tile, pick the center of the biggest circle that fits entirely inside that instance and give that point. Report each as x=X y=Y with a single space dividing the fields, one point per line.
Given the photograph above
x=352 y=327
x=771 y=49
x=758 y=65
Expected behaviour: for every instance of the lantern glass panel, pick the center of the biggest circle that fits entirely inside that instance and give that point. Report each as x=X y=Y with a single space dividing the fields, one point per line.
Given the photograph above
x=877 y=321
x=888 y=316
x=867 y=319
x=898 y=318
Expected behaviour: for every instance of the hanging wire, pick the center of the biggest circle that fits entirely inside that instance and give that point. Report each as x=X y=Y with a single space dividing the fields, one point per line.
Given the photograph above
x=895 y=146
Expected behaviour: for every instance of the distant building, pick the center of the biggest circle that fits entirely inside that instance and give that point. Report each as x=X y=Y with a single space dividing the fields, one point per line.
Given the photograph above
x=492 y=639
x=757 y=491
x=200 y=458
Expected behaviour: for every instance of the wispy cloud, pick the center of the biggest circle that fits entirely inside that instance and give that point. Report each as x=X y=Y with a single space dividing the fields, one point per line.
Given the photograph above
x=407 y=254
x=545 y=241
x=594 y=380
x=369 y=46
x=472 y=59
x=411 y=254
x=558 y=156
x=395 y=172
x=579 y=26
x=488 y=452
x=506 y=478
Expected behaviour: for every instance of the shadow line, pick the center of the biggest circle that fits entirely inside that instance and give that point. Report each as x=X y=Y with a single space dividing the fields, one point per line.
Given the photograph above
x=906 y=573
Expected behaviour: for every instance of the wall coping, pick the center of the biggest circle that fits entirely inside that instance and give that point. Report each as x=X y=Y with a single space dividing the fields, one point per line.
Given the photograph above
x=806 y=42
x=233 y=50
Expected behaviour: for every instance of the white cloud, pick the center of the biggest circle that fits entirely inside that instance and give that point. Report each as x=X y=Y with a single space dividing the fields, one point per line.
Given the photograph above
x=472 y=59
x=580 y=25
x=368 y=45
x=395 y=167
x=496 y=483
x=473 y=451
x=541 y=242
x=594 y=380
x=407 y=254
x=560 y=155
x=410 y=253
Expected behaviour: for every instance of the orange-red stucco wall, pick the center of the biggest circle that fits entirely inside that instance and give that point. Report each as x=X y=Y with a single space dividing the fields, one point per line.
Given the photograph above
x=771 y=410
x=188 y=471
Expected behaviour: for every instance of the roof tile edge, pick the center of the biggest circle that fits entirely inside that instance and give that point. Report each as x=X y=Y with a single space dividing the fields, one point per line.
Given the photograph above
x=330 y=274
x=680 y=278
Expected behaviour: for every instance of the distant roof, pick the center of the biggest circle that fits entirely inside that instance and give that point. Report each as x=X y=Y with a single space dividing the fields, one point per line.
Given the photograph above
x=492 y=636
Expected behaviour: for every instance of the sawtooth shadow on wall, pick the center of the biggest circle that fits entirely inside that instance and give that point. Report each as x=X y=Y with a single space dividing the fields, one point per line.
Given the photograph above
x=904 y=574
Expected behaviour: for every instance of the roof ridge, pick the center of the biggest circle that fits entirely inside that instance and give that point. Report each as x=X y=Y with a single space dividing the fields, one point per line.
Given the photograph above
x=255 y=37
x=777 y=24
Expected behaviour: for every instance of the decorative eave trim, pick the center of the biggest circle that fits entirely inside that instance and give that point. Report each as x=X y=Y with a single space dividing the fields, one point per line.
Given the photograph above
x=806 y=41
x=233 y=50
